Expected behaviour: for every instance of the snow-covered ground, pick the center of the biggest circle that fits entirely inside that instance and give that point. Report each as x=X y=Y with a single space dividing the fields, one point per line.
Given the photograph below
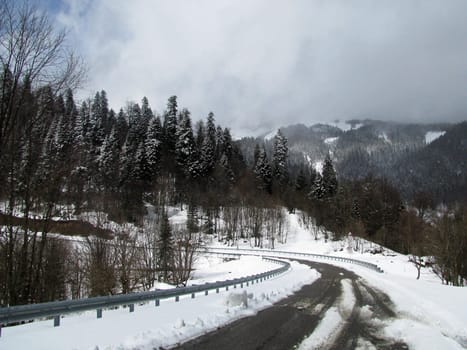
x=331 y=140
x=430 y=136
x=429 y=315
x=384 y=137
x=150 y=327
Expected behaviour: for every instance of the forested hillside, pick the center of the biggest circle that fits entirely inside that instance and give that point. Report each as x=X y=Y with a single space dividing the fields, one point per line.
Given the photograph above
x=414 y=157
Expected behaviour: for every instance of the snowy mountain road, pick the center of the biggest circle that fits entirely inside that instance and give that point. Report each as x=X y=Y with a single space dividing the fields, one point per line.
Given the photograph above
x=338 y=311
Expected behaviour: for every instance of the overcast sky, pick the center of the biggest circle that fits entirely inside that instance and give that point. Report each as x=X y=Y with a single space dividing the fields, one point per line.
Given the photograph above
x=260 y=64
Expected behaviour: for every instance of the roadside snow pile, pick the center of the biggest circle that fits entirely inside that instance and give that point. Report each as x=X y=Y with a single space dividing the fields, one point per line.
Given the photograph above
x=238 y=299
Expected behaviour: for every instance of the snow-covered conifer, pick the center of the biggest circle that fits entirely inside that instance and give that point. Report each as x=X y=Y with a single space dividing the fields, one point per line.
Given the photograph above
x=263 y=171
x=279 y=159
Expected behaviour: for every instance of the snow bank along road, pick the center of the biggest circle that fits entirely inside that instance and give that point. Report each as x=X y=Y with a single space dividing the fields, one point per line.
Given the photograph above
x=338 y=311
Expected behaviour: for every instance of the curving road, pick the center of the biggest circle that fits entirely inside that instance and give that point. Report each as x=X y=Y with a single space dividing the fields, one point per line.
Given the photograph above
x=287 y=323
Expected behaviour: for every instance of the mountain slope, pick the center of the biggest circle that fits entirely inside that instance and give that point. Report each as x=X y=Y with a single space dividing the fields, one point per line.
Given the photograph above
x=415 y=157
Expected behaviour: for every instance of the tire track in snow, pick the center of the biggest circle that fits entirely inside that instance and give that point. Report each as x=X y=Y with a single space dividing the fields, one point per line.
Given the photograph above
x=334 y=320
x=337 y=311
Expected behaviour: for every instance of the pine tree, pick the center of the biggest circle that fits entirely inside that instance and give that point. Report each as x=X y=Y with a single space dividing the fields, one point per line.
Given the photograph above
x=279 y=159
x=109 y=160
x=355 y=209
x=301 y=181
x=263 y=172
x=97 y=120
x=313 y=176
x=200 y=134
x=208 y=148
x=126 y=165
x=329 y=178
x=226 y=143
x=71 y=113
x=121 y=127
x=65 y=131
x=185 y=152
x=229 y=175
x=219 y=142
x=207 y=157
x=141 y=171
x=104 y=113
x=82 y=126
x=211 y=128
x=153 y=146
x=146 y=111
x=165 y=247
x=170 y=132
x=138 y=126
x=256 y=154
x=318 y=191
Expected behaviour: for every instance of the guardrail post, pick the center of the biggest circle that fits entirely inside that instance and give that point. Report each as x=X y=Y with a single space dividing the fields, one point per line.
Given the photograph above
x=99 y=313
x=132 y=307
x=56 y=320
x=217 y=290
x=0 y=329
x=177 y=298
x=192 y=295
x=241 y=285
x=226 y=287
x=157 y=302
x=235 y=286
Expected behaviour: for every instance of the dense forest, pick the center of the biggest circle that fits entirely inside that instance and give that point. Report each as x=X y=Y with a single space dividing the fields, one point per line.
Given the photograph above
x=61 y=159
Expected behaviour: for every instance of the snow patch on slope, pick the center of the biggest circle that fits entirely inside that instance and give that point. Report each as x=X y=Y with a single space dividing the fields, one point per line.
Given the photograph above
x=331 y=140
x=270 y=136
x=384 y=137
x=430 y=136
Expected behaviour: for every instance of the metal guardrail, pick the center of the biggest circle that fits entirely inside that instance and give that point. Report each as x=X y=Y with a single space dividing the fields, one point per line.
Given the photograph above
x=56 y=309
x=366 y=264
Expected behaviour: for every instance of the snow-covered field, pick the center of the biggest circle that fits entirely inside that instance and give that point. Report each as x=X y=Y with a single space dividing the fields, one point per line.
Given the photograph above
x=429 y=315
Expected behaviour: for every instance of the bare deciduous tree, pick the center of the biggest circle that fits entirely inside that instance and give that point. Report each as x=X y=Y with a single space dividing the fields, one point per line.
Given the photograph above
x=31 y=50
x=128 y=262
x=100 y=267
x=185 y=248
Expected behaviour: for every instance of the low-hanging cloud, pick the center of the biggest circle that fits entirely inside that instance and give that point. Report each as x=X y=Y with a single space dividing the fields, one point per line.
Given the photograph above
x=261 y=64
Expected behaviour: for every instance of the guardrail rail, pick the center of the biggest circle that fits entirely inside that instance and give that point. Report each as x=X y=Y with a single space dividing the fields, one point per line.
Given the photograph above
x=284 y=253
x=56 y=309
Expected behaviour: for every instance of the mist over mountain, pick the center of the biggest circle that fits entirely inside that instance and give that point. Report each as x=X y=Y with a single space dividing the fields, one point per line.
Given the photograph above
x=415 y=157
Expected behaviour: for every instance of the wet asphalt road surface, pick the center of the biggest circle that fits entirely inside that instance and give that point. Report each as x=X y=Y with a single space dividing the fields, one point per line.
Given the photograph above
x=285 y=324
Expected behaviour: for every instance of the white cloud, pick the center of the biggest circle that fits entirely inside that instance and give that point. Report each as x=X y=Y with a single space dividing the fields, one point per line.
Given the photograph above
x=265 y=63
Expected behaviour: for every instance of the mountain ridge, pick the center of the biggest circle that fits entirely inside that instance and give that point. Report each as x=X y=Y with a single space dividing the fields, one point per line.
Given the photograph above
x=416 y=157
